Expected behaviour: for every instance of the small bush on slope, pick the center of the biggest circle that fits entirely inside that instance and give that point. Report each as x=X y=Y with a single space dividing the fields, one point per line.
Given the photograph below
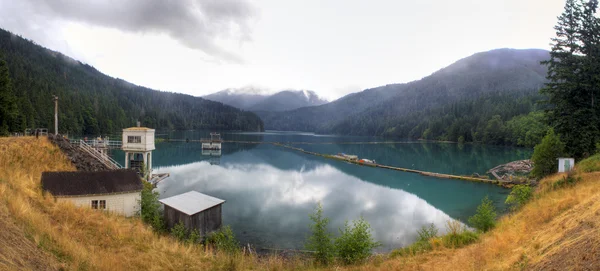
x=458 y=235
x=519 y=195
x=355 y=242
x=485 y=217
x=179 y=232
x=589 y=164
x=224 y=240
x=545 y=155
x=320 y=240
x=150 y=208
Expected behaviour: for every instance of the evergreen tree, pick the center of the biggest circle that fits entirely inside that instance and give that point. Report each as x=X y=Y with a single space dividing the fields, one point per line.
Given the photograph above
x=485 y=217
x=92 y=103
x=320 y=240
x=572 y=72
x=8 y=106
x=590 y=47
x=545 y=155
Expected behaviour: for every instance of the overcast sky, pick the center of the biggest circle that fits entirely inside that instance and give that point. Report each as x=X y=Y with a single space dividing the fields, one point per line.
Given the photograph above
x=333 y=47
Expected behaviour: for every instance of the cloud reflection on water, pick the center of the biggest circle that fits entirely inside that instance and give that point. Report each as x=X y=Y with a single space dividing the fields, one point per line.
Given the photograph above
x=269 y=207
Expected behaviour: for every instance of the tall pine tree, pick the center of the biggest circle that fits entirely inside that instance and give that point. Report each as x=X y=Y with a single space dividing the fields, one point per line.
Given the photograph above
x=8 y=105
x=573 y=74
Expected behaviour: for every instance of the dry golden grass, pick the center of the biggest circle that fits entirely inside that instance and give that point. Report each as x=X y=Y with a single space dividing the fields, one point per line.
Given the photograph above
x=559 y=228
x=78 y=238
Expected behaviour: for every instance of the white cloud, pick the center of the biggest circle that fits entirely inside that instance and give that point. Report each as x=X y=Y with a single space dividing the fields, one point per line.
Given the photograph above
x=333 y=47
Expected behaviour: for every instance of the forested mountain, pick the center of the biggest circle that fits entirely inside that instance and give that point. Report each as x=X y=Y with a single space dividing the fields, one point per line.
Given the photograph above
x=484 y=90
x=322 y=118
x=92 y=103
x=258 y=100
x=288 y=100
x=243 y=98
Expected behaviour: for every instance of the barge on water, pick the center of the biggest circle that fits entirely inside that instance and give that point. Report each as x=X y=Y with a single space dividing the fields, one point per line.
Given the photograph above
x=214 y=143
x=367 y=161
x=349 y=157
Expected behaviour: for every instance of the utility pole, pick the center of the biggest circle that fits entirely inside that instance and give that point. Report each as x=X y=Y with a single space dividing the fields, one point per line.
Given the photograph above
x=55 y=115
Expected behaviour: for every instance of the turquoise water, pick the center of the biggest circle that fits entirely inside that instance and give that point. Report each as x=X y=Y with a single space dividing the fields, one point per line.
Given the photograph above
x=270 y=191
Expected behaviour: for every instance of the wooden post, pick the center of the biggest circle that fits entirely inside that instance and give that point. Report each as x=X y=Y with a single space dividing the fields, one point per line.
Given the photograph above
x=55 y=115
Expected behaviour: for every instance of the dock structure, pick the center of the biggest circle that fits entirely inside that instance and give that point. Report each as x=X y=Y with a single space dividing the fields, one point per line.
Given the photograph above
x=157 y=178
x=213 y=147
x=294 y=143
x=425 y=173
x=214 y=143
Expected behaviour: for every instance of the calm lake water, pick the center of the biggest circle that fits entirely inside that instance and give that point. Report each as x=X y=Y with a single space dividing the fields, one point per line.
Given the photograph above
x=270 y=191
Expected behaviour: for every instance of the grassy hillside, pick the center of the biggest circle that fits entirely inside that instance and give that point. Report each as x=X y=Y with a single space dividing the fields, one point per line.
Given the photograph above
x=55 y=235
x=558 y=229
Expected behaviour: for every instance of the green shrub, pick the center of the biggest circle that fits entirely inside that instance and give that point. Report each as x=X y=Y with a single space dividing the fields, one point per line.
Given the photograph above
x=179 y=231
x=568 y=180
x=320 y=240
x=485 y=217
x=589 y=164
x=519 y=195
x=414 y=249
x=150 y=208
x=224 y=240
x=426 y=233
x=355 y=242
x=458 y=235
x=545 y=155
x=194 y=237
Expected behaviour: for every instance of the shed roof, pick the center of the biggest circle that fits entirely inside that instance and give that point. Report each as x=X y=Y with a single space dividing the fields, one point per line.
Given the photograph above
x=77 y=183
x=191 y=202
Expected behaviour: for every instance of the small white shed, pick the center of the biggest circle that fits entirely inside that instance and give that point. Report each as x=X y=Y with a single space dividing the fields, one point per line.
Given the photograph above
x=117 y=191
x=565 y=164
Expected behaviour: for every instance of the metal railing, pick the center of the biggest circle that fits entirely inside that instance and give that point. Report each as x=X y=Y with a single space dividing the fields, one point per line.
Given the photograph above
x=94 y=143
x=103 y=158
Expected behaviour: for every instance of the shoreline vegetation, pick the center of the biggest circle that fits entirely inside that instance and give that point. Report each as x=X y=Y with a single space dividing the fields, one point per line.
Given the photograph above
x=553 y=224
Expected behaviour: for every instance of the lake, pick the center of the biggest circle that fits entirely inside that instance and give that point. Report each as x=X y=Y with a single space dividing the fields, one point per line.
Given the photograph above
x=270 y=191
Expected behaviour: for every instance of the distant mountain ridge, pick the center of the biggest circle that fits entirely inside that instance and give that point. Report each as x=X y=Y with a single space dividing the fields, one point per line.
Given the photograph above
x=406 y=110
x=254 y=99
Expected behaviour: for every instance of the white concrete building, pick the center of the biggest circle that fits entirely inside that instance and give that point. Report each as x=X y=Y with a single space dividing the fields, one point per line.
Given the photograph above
x=117 y=191
x=138 y=144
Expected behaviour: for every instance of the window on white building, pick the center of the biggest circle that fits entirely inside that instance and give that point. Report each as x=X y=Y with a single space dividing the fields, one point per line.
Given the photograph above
x=99 y=204
x=134 y=139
